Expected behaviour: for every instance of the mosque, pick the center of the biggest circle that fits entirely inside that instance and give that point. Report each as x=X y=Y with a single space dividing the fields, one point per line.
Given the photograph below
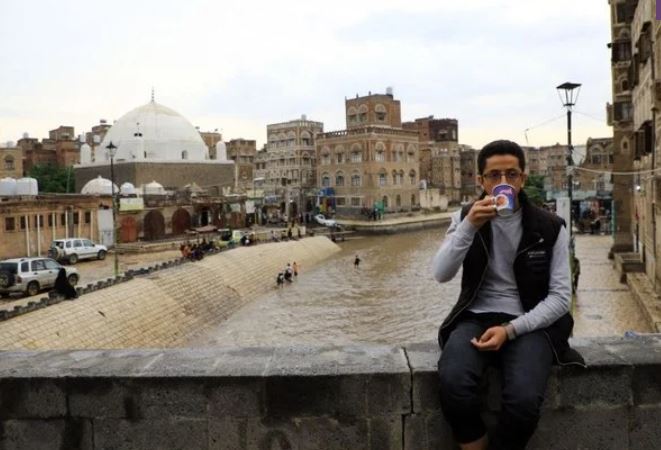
x=155 y=144
x=164 y=177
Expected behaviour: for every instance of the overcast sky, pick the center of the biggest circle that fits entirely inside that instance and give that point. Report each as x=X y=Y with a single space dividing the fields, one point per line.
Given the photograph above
x=238 y=65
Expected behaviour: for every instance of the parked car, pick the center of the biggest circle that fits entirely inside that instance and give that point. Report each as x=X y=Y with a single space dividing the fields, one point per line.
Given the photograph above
x=75 y=249
x=322 y=220
x=31 y=275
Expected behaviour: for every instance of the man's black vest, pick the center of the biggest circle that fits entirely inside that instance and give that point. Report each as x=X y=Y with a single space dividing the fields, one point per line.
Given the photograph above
x=532 y=267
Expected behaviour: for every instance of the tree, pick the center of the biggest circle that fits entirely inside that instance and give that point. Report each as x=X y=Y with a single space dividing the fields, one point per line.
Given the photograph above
x=535 y=189
x=53 y=179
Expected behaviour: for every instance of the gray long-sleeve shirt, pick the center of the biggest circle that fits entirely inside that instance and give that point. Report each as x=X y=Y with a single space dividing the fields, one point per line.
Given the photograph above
x=498 y=292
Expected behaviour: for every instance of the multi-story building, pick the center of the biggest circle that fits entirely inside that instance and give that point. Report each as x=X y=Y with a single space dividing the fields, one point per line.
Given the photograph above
x=11 y=162
x=624 y=74
x=211 y=139
x=242 y=152
x=470 y=188
x=638 y=124
x=535 y=161
x=59 y=149
x=374 y=163
x=286 y=167
x=594 y=173
x=440 y=161
x=556 y=168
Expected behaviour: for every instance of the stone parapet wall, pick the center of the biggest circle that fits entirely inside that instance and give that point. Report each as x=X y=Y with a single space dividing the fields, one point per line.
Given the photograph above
x=165 y=308
x=360 y=397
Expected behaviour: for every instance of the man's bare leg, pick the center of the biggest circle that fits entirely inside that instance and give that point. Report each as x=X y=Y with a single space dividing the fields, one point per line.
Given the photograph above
x=480 y=444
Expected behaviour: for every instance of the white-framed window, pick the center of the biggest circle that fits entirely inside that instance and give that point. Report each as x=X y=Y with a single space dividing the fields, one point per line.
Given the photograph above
x=325 y=180
x=356 y=157
x=356 y=201
x=340 y=201
x=339 y=157
x=355 y=180
x=9 y=163
x=383 y=179
x=339 y=179
x=380 y=156
x=325 y=159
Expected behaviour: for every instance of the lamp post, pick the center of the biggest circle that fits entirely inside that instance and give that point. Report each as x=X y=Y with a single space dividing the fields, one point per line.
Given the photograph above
x=112 y=151
x=568 y=93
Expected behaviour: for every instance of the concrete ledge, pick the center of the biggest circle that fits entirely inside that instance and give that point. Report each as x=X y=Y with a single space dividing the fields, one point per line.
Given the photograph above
x=649 y=301
x=360 y=397
x=626 y=263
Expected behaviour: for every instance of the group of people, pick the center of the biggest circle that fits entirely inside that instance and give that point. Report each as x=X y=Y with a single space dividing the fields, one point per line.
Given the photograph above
x=196 y=251
x=288 y=274
x=287 y=235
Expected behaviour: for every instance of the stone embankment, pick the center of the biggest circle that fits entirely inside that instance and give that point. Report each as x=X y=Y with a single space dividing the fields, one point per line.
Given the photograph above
x=165 y=308
x=359 y=397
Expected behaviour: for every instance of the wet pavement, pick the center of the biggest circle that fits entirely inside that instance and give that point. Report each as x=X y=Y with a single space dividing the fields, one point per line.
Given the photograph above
x=392 y=298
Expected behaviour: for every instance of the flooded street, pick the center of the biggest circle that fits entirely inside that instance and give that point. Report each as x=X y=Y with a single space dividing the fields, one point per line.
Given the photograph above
x=393 y=299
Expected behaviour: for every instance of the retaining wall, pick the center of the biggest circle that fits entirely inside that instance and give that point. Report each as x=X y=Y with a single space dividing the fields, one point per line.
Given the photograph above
x=350 y=398
x=165 y=308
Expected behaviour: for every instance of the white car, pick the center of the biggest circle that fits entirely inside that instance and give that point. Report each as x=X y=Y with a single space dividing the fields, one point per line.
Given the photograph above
x=75 y=249
x=31 y=275
x=321 y=220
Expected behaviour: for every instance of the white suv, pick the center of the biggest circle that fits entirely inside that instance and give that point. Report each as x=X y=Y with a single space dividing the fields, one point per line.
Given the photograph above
x=74 y=249
x=31 y=275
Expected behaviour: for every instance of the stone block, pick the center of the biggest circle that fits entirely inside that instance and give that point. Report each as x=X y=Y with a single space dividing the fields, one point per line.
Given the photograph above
x=171 y=433
x=99 y=398
x=43 y=301
x=595 y=388
x=46 y=435
x=385 y=432
x=647 y=385
x=572 y=429
x=236 y=397
x=388 y=393
x=646 y=428
x=4 y=315
x=28 y=398
x=305 y=433
x=300 y=396
x=428 y=431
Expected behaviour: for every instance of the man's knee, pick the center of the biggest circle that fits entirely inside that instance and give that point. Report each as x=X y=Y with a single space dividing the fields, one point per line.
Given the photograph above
x=524 y=405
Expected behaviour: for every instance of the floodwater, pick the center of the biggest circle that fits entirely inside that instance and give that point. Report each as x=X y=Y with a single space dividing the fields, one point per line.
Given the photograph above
x=393 y=299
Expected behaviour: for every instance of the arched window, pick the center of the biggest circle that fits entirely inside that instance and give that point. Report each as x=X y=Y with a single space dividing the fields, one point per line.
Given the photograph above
x=380 y=111
x=325 y=180
x=325 y=156
x=380 y=152
x=355 y=180
x=385 y=201
x=394 y=177
x=339 y=179
x=362 y=113
x=352 y=115
x=383 y=178
x=412 y=176
x=306 y=138
x=9 y=163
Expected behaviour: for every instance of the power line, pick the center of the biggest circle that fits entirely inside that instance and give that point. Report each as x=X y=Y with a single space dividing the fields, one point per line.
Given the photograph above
x=525 y=132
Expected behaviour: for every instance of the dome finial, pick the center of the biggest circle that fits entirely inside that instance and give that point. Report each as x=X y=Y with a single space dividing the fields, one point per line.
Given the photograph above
x=152 y=94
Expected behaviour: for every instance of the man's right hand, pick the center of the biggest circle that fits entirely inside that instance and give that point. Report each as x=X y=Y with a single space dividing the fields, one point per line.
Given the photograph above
x=482 y=211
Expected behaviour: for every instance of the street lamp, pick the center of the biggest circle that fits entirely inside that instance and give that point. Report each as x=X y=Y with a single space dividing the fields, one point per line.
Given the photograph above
x=112 y=151
x=568 y=93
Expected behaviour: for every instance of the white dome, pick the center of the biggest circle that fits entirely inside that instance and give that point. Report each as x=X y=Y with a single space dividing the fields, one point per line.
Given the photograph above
x=166 y=135
x=98 y=186
x=127 y=189
x=153 y=188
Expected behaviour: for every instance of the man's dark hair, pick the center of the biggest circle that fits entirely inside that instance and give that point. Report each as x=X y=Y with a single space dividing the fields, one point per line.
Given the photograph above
x=501 y=147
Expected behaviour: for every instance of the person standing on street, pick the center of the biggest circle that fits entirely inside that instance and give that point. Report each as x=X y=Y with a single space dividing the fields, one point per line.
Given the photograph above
x=513 y=309
x=356 y=262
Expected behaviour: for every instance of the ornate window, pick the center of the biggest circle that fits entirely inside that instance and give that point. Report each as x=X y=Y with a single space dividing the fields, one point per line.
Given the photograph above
x=325 y=180
x=339 y=179
x=9 y=163
x=380 y=111
x=412 y=176
x=355 y=180
x=383 y=181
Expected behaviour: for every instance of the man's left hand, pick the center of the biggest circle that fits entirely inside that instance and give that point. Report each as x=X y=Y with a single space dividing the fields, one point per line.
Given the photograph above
x=491 y=340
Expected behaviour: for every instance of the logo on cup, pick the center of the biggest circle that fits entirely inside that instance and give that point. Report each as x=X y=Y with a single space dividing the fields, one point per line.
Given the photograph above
x=503 y=198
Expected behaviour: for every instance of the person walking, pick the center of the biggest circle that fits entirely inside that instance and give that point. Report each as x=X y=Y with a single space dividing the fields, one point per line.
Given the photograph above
x=295 y=268
x=63 y=287
x=356 y=262
x=513 y=309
